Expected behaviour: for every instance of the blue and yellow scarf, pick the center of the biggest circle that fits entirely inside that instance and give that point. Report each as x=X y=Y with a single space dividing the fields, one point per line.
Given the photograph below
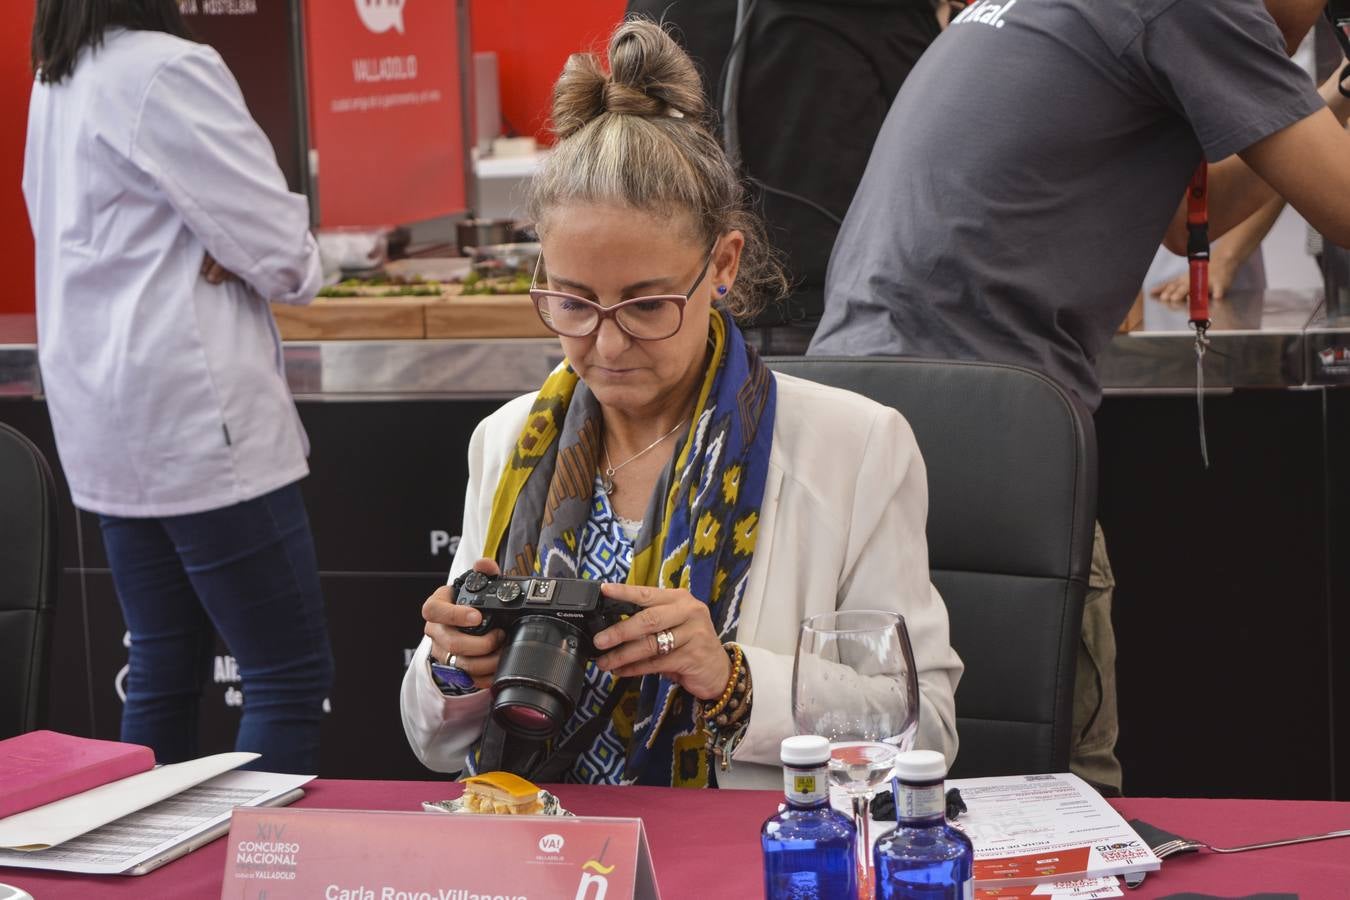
x=699 y=532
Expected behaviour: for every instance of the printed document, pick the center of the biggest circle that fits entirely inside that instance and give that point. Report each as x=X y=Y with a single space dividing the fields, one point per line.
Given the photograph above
x=163 y=830
x=1029 y=829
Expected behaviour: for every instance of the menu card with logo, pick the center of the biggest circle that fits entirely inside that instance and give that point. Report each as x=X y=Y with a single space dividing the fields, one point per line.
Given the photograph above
x=1029 y=829
x=278 y=854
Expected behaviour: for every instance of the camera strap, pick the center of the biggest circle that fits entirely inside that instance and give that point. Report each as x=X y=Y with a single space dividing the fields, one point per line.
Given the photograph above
x=528 y=758
x=564 y=756
x=499 y=751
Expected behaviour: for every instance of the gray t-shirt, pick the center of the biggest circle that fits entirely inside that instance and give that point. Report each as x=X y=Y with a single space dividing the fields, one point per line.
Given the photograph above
x=1029 y=169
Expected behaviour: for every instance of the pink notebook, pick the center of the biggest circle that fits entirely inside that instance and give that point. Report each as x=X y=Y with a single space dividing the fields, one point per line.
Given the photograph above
x=42 y=766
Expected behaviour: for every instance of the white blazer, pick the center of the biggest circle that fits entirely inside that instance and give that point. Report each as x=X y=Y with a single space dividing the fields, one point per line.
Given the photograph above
x=167 y=394
x=842 y=527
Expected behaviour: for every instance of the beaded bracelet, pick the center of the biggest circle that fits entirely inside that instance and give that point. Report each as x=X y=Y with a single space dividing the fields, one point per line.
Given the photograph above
x=737 y=665
x=725 y=720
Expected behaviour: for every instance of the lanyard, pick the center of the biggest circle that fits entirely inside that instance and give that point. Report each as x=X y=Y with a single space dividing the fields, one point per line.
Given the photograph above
x=1197 y=253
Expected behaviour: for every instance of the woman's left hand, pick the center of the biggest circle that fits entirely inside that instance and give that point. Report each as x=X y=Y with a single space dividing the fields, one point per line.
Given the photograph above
x=697 y=662
x=215 y=273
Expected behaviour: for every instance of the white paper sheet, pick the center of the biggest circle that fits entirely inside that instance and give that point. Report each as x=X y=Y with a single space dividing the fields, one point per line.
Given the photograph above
x=53 y=824
x=122 y=845
x=1017 y=823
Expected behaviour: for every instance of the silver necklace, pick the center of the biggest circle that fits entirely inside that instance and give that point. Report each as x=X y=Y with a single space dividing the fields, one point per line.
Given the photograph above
x=607 y=482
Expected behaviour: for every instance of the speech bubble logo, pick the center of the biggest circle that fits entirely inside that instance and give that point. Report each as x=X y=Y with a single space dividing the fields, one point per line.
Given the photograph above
x=381 y=15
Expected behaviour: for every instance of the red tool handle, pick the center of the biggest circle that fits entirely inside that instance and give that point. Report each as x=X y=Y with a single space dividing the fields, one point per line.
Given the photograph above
x=1197 y=244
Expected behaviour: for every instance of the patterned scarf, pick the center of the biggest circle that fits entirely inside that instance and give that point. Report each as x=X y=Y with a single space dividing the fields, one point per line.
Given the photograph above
x=699 y=532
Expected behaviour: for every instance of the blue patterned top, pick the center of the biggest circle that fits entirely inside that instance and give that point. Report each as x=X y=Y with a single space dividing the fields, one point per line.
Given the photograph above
x=606 y=550
x=606 y=555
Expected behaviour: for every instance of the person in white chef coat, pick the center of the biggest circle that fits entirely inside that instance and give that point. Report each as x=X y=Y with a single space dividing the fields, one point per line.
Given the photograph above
x=163 y=227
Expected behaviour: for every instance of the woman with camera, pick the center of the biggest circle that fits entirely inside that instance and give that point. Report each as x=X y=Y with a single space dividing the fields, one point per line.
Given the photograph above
x=725 y=502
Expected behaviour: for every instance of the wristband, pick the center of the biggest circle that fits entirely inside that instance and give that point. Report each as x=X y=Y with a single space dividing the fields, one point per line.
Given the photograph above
x=724 y=721
x=451 y=680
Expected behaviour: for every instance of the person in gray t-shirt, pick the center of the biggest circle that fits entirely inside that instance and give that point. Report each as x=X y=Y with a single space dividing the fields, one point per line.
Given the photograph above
x=1027 y=172
x=1031 y=164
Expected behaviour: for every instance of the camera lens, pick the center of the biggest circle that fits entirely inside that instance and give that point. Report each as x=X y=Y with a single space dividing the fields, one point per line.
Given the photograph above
x=525 y=720
x=539 y=678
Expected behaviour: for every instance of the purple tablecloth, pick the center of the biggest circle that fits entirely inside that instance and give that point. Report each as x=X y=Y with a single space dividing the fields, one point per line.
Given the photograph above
x=705 y=844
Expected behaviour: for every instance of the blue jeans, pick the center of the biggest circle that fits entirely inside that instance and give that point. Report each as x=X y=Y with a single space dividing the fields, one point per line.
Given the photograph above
x=249 y=572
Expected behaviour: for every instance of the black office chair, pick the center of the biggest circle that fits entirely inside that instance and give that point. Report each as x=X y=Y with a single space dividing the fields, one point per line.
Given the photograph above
x=1012 y=485
x=28 y=572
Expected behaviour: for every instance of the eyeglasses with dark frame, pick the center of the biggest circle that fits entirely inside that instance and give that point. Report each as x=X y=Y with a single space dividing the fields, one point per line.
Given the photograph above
x=652 y=318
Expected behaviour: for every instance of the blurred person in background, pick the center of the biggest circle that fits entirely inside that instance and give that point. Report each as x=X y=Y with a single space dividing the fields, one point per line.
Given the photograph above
x=1030 y=167
x=810 y=83
x=1237 y=261
x=163 y=227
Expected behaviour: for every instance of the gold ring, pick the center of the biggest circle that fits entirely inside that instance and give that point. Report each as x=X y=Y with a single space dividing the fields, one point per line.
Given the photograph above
x=450 y=660
x=665 y=642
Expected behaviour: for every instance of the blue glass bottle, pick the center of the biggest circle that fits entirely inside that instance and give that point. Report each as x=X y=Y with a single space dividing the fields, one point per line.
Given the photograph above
x=924 y=858
x=809 y=848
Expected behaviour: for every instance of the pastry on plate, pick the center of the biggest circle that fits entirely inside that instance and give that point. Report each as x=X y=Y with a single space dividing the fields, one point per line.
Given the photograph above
x=502 y=793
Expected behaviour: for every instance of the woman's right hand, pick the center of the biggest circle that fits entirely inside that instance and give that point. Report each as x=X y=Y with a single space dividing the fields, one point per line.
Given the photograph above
x=476 y=654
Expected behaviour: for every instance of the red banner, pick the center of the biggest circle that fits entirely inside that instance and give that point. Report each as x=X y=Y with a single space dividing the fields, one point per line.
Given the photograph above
x=16 y=236
x=385 y=116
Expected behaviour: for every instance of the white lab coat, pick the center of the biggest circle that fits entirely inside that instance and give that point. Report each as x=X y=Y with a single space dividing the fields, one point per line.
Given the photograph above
x=842 y=527
x=167 y=394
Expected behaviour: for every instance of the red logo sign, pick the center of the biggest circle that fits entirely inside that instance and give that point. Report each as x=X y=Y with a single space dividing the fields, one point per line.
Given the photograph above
x=385 y=110
x=351 y=855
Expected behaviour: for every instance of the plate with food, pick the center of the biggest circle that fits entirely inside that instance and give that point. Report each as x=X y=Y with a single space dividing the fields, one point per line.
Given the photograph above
x=475 y=284
x=384 y=286
x=499 y=794
x=501 y=269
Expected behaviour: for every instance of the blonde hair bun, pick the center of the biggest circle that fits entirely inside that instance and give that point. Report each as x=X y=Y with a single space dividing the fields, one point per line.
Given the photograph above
x=638 y=135
x=649 y=75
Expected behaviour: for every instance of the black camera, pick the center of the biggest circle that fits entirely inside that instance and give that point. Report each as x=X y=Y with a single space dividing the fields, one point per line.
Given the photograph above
x=549 y=624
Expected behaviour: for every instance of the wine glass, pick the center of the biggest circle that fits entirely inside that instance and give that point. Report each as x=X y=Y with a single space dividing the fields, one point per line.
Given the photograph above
x=854 y=683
